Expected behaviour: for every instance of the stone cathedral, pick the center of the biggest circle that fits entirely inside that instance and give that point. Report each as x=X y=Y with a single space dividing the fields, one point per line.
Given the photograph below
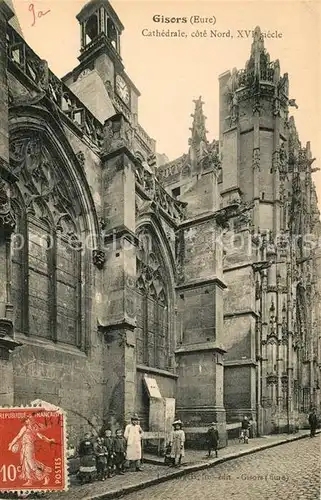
x=131 y=283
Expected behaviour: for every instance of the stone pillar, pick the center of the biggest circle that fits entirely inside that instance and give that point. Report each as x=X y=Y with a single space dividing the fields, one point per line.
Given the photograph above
x=7 y=224
x=5 y=15
x=7 y=342
x=256 y=160
x=117 y=317
x=199 y=351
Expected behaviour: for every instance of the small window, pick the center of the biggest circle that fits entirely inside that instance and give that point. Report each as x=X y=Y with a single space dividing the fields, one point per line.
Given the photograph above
x=176 y=192
x=263 y=195
x=91 y=29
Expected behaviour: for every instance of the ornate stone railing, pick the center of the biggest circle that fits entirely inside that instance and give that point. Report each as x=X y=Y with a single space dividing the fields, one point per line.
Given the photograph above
x=121 y=108
x=144 y=136
x=246 y=77
x=150 y=185
x=36 y=69
x=173 y=167
x=267 y=73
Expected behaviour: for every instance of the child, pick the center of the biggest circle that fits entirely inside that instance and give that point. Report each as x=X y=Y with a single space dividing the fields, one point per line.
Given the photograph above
x=101 y=459
x=177 y=444
x=109 y=444
x=120 y=451
x=212 y=439
x=87 y=469
x=167 y=458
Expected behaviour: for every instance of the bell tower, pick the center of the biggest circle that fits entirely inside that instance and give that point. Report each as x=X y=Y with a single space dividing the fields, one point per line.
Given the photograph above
x=100 y=80
x=99 y=27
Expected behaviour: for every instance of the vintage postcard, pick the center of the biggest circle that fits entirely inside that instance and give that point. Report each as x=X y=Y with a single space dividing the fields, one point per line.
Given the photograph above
x=33 y=450
x=160 y=249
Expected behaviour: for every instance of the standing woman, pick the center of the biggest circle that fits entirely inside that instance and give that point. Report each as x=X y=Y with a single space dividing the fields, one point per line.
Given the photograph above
x=177 y=444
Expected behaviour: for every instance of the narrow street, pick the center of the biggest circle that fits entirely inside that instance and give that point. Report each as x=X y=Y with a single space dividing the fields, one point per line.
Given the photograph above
x=287 y=472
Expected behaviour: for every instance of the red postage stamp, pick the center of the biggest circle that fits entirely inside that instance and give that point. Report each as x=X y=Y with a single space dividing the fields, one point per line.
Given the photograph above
x=33 y=450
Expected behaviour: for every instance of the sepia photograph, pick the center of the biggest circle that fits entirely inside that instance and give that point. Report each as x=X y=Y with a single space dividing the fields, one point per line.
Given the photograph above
x=160 y=249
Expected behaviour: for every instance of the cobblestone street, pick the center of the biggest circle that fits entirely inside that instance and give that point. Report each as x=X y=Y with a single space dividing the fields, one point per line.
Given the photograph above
x=287 y=472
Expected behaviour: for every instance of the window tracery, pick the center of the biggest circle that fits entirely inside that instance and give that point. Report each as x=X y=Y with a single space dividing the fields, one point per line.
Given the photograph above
x=152 y=339
x=46 y=250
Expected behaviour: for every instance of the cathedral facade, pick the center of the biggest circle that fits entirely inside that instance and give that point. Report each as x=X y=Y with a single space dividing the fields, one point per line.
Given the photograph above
x=130 y=283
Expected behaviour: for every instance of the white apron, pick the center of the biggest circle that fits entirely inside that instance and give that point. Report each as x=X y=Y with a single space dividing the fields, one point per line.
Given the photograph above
x=133 y=434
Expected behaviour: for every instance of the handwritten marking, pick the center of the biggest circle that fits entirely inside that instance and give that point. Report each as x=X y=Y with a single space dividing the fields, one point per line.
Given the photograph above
x=36 y=14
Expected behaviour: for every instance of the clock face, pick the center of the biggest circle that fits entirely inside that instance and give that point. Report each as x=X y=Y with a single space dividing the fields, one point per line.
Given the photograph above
x=122 y=89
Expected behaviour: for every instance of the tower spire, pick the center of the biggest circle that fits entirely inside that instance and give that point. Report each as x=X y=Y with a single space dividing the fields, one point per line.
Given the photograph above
x=198 y=141
x=259 y=63
x=198 y=128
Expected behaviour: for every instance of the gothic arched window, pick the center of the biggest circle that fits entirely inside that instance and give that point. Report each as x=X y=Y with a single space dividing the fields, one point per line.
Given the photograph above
x=152 y=332
x=46 y=250
x=40 y=272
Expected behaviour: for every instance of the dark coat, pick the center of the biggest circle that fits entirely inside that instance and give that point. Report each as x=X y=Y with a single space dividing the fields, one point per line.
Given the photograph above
x=245 y=424
x=212 y=436
x=86 y=448
x=120 y=444
x=313 y=420
x=109 y=443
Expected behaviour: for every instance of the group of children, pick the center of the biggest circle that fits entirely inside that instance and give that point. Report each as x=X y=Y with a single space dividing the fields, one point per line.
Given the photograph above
x=103 y=457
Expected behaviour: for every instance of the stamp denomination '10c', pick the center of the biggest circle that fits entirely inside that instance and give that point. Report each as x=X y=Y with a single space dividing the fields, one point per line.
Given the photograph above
x=32 y=449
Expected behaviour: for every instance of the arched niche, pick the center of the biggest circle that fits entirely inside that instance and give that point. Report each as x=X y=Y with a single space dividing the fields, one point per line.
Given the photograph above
x=51 y=247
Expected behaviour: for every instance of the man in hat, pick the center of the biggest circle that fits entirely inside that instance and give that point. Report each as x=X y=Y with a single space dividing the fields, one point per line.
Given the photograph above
x=313 y=421
x=212 y=439
x=133 y=435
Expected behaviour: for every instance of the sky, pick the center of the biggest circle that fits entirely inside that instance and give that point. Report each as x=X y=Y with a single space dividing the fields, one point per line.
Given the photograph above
x=171 y=72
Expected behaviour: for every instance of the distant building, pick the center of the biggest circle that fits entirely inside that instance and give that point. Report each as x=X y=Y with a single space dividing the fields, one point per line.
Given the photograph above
x=122 y=290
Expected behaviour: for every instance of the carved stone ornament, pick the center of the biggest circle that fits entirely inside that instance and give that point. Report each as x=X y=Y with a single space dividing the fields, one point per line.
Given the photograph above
x=256 y=159
x=276 y=106
x=43 y=74
x=110 y=89
x=271 y=378
x=256 y=107
x=283 y=159
x=284 y=85
x=99 y=258
x=257 y=290
x=243 y=220
x=234 y=109
x=235 y=209
x=7 y=342
x=81 y=158
x=152 y=162
x=118 y=133
x=275 y=161
x=7 y=219
x=211 y=157
x=180 y=255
